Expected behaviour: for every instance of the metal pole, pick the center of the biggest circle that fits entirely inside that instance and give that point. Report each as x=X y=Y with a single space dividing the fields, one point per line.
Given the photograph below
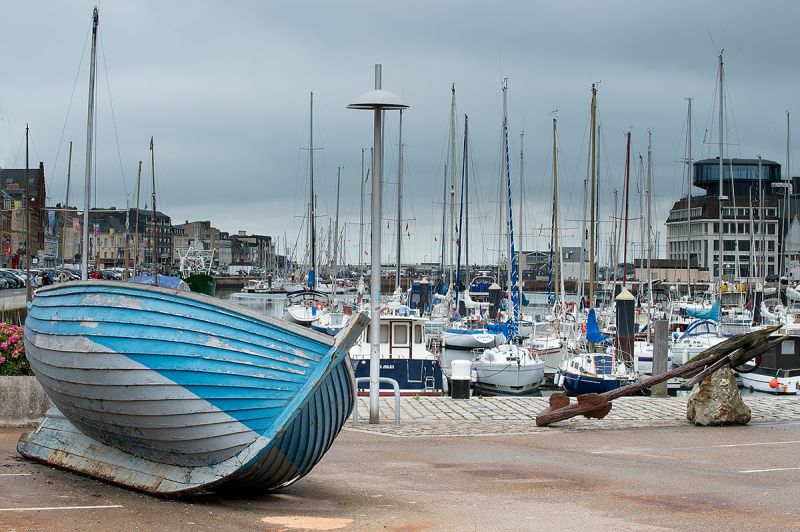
x=592 y=200
x=721 y=198
x=28 y=287
x=136 y=222
x=66 y=205
x=89 y=138
x=375 y=273
x=399 y=202
x=451 y=234
x=690 y=177
x=361 y=220
x=153 y=220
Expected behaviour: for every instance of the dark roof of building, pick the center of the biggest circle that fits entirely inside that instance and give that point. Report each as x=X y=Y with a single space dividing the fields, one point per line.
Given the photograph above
x=748 y=162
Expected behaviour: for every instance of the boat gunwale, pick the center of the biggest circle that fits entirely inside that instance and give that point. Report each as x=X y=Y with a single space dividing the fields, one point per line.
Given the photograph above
x=197 y=298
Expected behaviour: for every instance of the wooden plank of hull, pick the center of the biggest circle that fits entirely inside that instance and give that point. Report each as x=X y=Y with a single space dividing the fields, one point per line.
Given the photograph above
x=215 y=417
x=289 y=456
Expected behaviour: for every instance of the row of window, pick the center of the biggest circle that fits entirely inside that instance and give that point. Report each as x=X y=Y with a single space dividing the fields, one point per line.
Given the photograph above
x=702 y=228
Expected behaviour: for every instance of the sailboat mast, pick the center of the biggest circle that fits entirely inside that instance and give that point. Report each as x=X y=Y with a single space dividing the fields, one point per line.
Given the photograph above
x=452 y=176
x=650 y=216
x=27 y=211
x=761 y=225
x=66 y=206
x=336 y=228
x=721 y=197
x=460 y=233
x=513 y=291
x=399 y=201
x=556 y=249
x=627 y=201
x=136 y=221
x=444 y=222
x=521 y=195
x=87 y=191
x=361 y=220
x=465 y=229
x=593 y=186
x=312 y=278
x=788 y=182
x=690 y=179
x=153 y=219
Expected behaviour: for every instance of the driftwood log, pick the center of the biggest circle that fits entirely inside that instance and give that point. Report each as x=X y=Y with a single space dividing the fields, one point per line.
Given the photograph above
x=735 y=352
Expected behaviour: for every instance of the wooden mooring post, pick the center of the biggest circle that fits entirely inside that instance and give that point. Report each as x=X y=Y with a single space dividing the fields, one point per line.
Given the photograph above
x=660 y=355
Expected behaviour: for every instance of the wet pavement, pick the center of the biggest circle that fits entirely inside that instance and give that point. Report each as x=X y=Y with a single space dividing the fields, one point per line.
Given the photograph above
x=645 y=469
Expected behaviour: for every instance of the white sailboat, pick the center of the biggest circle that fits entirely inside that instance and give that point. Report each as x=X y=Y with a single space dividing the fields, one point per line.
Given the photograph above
x=305 y=306
x=510 y=368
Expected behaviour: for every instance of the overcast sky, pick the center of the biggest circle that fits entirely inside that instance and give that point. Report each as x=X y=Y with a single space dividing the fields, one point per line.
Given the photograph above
x=224 y=89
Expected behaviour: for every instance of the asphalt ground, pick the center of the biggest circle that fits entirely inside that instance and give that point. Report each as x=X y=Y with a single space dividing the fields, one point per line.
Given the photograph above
x=649 y=478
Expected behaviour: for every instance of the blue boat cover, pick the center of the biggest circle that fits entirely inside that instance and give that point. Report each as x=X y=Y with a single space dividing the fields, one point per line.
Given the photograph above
x=593 y=333
x=501 y=327
x=167 y=281
x=710 y=314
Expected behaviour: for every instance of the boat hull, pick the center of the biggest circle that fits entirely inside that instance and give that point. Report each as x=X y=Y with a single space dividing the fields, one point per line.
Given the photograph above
x=202 y=283
x=463 y=339
x=579 y=384
x=788 y=381
x=413 y=376
x=188 y=391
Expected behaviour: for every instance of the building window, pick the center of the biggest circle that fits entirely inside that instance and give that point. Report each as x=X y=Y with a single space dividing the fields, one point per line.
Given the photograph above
x=771 y=229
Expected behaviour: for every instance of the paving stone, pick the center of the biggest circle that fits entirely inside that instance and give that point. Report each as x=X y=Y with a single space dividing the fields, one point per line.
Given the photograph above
x=443 y=416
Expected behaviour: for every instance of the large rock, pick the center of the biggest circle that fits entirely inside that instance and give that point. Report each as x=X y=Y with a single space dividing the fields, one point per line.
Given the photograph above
x=716 y=401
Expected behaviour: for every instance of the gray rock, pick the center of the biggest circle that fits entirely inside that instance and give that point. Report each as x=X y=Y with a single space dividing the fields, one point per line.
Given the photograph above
x=716 y=401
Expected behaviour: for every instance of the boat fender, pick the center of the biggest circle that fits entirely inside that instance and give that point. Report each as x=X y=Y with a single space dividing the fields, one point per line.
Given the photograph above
x=583 y=327
x=473 y=374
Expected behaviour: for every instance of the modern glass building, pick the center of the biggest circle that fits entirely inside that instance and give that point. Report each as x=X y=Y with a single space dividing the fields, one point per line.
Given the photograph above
x=741 y=174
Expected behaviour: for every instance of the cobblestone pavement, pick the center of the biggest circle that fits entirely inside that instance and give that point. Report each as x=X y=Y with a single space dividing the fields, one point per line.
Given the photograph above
x=489 y=416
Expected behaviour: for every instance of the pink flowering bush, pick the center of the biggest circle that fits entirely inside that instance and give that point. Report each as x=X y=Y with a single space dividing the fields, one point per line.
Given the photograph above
x=12 y=351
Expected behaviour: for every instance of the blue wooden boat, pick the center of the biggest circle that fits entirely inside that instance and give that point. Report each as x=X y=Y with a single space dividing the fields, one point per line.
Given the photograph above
x=172 y=392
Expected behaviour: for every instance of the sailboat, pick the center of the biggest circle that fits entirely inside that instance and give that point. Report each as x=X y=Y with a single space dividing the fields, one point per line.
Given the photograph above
x=172 y=392
x=332 y=322
x=545 y=338
x=466 y=332
x=305 y=306
x=590 y=370
x=510 y=368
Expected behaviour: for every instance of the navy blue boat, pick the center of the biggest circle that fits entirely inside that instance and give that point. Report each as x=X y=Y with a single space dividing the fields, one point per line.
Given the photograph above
x=591 y=373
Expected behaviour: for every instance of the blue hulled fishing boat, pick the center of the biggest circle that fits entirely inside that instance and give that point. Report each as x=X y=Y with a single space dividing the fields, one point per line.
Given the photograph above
x=173 y=392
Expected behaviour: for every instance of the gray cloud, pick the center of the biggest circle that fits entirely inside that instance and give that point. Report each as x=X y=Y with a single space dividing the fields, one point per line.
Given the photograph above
x=224 y=89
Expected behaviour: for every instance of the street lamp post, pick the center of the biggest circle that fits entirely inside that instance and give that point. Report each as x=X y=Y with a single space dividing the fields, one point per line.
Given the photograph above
x=377 y=100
